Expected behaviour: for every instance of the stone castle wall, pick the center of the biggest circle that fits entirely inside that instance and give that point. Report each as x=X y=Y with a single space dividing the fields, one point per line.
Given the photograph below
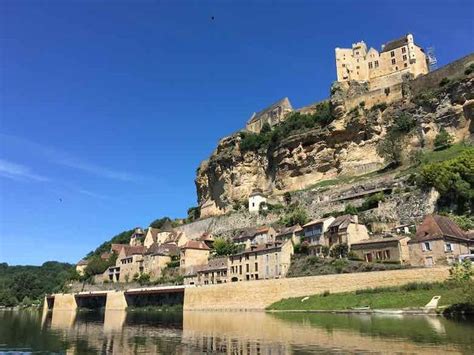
x=432 y=80
x=257 y=295
x=375 y=97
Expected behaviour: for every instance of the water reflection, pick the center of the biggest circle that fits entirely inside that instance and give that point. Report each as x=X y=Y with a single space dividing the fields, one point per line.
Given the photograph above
x=123 y=332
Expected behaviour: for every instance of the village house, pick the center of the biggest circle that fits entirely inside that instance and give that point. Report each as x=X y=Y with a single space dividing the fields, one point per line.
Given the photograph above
x=438 y=241
x=151 y=237
x=257 y=201
x=208 y=239
x=129 y=262
x=346 y=229
x=263 y=261
x=254 y=236
x=157 y=257
x=81 y=267
x=215 y=272
x=137 y=237
x=287 y=233
x=175 y=237
x=392 y=249
x=314 y=234
x=193 y=253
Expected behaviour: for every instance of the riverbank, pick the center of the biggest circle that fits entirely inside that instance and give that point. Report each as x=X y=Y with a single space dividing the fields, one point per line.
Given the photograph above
x=409 y=296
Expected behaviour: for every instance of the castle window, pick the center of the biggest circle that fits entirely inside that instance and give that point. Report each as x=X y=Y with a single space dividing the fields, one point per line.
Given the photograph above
x=376 y=63
x=405 y=65
x=370 y=65
x=393 y=61
x=404 y=57
x=357 y=67
x=343 y=65
x=404 y=49
x=392 y=54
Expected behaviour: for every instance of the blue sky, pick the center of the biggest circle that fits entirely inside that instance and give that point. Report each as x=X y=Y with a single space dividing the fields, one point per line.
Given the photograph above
x=107 y=108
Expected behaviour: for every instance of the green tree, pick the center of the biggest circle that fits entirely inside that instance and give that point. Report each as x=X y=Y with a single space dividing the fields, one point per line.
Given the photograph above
x=296 y=215
x=390 y=148
x=7 y=299
x=96 y=265
x=339 y=251
x=194 y=213
x=443 y=140
x=351 y=209
x=223 y=247
x=158 y=223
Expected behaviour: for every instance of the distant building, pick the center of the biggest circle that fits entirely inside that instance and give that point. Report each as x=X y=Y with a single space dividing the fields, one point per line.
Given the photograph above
x=346 y=229
x=254 y=236
x=81 y=267
x=215 y=272
x=129 y=262
x=384 y=68
x=151 y=237
x=264 y=261
x=292 y=233
x=314 y=234
x=438 y=241
x=272 y=115
x=193 y=253
x=383 y=249
x=137 y=237
x=257 y=200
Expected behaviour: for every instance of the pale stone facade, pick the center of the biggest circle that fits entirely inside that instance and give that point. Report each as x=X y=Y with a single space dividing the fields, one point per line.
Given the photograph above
x=193 y=254
x=264 y=261
x=346 y=230
x=385 y=249
x=314 y=234
x=384 y=68
x=81 y=267
x=255 y=236
x=256 y=199
x=272 y=115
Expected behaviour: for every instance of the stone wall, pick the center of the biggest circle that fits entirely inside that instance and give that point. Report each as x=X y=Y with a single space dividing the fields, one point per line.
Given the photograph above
x=451 y=70
x=375 y=97
x=257 y=295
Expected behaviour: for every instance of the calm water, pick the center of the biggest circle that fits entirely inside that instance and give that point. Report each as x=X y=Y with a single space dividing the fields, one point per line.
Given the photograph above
x=230 y=332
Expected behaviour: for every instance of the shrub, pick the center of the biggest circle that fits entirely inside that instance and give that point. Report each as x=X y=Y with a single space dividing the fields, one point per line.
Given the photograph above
x=224 y=247
x=461 y=272
x=142 y=279
x=382 y=107
x=372 y=201
x=295 y=215
x=403 y=123
x=351 y=209
x=325 y=251
x=326 y=293
x=443 y=82
x=339 y=251
x=353 y=256
x=287 y=198
x=173 y=264
x=425 y=97
x=469 y=69
x=443 y=140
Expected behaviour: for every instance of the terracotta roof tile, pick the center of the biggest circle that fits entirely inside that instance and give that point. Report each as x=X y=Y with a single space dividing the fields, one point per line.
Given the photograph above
x=195 y=244
x=438 y=227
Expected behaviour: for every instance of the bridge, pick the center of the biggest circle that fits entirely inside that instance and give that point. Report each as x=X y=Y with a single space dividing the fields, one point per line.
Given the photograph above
x=117 y=300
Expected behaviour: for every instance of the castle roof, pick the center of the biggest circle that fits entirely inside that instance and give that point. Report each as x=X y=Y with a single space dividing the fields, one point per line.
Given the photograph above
x=285 y=102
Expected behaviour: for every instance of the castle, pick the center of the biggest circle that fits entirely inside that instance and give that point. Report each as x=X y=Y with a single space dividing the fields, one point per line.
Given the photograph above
x=397 y=57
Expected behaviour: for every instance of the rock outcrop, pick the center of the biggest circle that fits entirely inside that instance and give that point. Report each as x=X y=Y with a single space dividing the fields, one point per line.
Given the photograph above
x=345 y=147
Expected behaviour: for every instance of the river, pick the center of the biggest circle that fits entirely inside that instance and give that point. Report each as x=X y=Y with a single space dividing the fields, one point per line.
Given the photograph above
x=121 y=332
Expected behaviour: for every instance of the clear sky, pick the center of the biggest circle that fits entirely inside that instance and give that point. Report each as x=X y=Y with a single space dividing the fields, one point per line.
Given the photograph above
x=108 y=107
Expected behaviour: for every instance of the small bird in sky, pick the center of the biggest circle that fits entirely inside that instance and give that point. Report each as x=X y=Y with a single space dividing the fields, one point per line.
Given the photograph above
x=60 y=200
x=212 y=18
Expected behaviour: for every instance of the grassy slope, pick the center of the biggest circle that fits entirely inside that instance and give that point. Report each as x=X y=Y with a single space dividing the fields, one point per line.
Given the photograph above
x=385 y=298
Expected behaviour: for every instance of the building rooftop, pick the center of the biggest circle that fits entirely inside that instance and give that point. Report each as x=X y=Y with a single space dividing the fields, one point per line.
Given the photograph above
x=342 y=222
x=316 y=221
x=378 y=240
x=283 y=102
x=195 y=244
x=438 y=227
x=251 y=232
x=163 y=249
x=289 y=230
x=115 y=248
x=134 y=250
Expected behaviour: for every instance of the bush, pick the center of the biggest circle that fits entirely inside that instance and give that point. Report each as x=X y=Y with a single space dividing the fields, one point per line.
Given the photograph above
x=295 y=215
x=443 y=82
x=403 y=123
x=142 y=279
x=443 y=140
x=339 y=251
x=351 y=209
x=325 y=251
x=224 y=247
x=372 y=201
x=382 y=107
x=469 y=69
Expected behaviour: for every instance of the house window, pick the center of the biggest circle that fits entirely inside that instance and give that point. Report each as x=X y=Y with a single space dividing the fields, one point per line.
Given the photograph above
x=404 y=49
x=256 y=266
x=247 y=256
x=404 y=57
x=376 y=63
x=343 y=65
x=240 y=269
x=426 y=246
x=392 y=54
x=370 y=65
x=393 y=61
x=247 y=277
x=247 y=267
x=405 y=65
x=357 y=67
x=448 y=247
x=387 y=254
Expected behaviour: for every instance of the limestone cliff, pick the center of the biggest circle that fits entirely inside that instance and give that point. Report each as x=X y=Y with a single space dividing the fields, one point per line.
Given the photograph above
x=345 y=147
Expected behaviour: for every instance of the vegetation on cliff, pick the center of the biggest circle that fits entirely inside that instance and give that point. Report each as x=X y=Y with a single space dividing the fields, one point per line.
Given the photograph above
x=296 y=122
x=28 y=284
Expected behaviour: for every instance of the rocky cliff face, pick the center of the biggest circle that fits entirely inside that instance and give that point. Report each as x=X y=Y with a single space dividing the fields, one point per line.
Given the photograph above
x=346 y=147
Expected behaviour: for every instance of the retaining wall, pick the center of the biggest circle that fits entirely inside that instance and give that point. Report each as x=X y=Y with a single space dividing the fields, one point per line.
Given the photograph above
x=257 y=295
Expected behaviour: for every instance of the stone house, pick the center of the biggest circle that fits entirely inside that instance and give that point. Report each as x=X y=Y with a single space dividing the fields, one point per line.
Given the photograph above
x=272 y=115
x=215 y=272
x=314 y=234
x=81 y=267
x=256 y=199
x=151 y=237
x=254 y=236
x=292 y=233
x=137 y=237
x=345 y=230
x=438 y=241
x=175 y=237
x=157 y=257
x=381 y=69
x=129 y=262
x=207 y=238
x=383 y=249
x=263 y=261
x=193 y=253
